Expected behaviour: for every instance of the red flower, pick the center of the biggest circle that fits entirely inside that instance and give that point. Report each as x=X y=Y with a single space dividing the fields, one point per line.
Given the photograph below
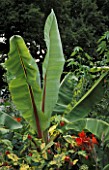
x=86 y=157
x=86 y=140
x=30 y=154
x=62 y=123
x=49 y=151
x=7 y=152
x=57 y=144
x=67 y=159
x=94 y=140
x=82 y=134
x=29 y=137
x=79 y=141
x=83 y=148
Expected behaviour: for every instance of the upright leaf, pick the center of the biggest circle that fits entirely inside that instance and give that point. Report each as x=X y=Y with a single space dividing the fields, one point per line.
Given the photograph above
x=24 y=81
x=53 y=64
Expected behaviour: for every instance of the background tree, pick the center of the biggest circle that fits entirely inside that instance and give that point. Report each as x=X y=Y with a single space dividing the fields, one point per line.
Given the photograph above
x=20 y=17
x=81 y=23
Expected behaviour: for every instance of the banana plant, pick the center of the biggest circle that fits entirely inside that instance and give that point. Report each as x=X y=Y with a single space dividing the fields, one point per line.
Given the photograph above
x=36 y=103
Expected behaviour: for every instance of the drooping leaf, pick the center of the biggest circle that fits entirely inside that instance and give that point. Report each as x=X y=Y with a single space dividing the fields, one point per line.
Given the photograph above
x=8 y=122
x=24 y=81
x=83 y=107
x=99 y=128
x=53 y=64
x=71 y=96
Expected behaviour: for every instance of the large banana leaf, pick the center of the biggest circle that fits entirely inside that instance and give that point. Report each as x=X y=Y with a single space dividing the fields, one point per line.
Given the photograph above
x=8 y=122
x=98 y=127
x=70 y=91
x=82 y=107
x=53 y=64
x=24 y=81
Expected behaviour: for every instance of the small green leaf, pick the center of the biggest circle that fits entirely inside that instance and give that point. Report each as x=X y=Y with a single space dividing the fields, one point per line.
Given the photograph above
x=8 y=121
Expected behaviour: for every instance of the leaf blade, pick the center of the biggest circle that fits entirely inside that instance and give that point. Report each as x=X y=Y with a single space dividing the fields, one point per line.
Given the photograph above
x=83 y=107
x=53 y=64
x=24 y=82
x=7 y=121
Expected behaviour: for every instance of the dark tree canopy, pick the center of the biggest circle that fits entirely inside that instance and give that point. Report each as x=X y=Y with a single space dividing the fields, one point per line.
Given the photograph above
x=81 y=23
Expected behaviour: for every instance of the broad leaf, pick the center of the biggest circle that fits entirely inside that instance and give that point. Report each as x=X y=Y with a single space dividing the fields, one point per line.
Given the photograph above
x=24 y=81
x=52 y=66
x=83 y=107
x=70 y=91
x=8 y=122
x=72 y=102
x=98 y=127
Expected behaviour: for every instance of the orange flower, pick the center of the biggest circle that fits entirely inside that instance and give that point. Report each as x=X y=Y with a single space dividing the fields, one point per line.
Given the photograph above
x=94 y=140
x=18 y=119
x=82 y=134
x=79 y=141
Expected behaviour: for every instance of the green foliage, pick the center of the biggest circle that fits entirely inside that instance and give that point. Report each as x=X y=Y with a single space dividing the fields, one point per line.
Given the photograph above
x=85 y=21
x=53 y=63
x=77 y=97
x=76 y=21
x=8 y=122
x=103 y=46
x=22 y=149
x=82 y=106
x=22 y=79
x=23 y=76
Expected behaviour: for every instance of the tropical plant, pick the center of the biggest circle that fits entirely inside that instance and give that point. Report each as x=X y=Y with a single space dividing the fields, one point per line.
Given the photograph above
x=37 y=100
x=24 y=77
